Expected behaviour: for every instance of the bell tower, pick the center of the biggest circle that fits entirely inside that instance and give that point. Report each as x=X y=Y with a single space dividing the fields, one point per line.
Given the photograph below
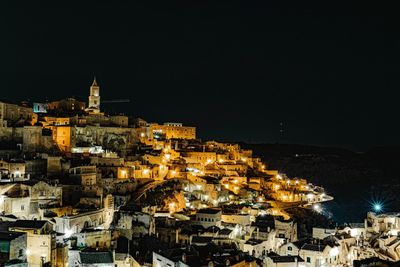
x=94 y=97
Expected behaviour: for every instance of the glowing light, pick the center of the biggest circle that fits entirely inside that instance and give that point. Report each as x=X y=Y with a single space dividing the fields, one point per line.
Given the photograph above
x=317 y=208
x=208 y=161
x=68 y=233
x=377 y=207
x=142 y=135
x=27 y=252
x=310 y=196
x=244 y=159
x=278 y=176
x=167 y=156
x=173 y=173
x=172 y=206
x=334 y=252
x=226 y=186
x=221 y=161
x=146 y=171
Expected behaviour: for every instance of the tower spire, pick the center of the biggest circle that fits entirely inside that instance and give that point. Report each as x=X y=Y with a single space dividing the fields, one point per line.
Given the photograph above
x=94 y=81
x=94 y=97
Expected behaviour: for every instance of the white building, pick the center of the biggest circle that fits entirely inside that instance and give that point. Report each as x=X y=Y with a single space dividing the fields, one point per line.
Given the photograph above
x=208 y=217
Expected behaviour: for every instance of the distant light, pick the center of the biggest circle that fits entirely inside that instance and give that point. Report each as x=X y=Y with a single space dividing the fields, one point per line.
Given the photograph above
x=317 y=208
x=68 y=233
x=377 y=207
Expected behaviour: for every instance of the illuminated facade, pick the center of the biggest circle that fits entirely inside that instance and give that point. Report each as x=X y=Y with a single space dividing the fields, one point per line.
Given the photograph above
x=94 y=98
x=11 y=114
x=166 y=131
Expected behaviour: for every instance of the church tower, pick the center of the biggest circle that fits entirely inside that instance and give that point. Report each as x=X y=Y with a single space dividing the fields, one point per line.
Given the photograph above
x=94 y=97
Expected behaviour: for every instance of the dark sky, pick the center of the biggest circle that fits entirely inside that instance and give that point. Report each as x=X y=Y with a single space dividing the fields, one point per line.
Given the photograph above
x=236 y=70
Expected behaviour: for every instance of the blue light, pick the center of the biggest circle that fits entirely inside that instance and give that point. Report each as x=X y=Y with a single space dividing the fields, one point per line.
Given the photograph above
x=377 y=207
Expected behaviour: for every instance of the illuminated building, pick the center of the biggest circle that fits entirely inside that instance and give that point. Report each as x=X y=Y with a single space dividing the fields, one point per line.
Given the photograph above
x=167 y=131
x=41 y=241
x=94 y=98
x=16 y=115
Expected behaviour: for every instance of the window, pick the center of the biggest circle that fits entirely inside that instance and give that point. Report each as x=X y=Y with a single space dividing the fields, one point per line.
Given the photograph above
x=308 y=259
x=289 y=248
x=22 y=207
x=20 y=253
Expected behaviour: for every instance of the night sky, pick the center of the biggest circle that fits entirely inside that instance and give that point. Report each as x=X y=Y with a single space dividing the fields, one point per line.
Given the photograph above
x=235 y=70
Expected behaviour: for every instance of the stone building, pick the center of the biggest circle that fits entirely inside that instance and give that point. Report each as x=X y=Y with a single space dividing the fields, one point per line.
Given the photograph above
x=29 y=201
x=208 y=217
x=66 y=106
x=167 y=131
x=12 y=114
x=12 y=170
x=41 y=241
x=12 y=246
x=111 y=138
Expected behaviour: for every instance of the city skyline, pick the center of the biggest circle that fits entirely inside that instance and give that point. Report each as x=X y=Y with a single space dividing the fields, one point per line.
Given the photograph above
x=318 y=69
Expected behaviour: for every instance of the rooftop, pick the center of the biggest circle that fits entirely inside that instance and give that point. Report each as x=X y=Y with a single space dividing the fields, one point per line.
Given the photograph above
x=282 y=259
x=6 y=235
x=313 y=247
x=29 y=224
x=209 y=211
x=93 y=257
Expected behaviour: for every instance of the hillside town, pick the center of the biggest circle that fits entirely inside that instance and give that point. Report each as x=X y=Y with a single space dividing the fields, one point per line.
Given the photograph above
x=80 y=187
